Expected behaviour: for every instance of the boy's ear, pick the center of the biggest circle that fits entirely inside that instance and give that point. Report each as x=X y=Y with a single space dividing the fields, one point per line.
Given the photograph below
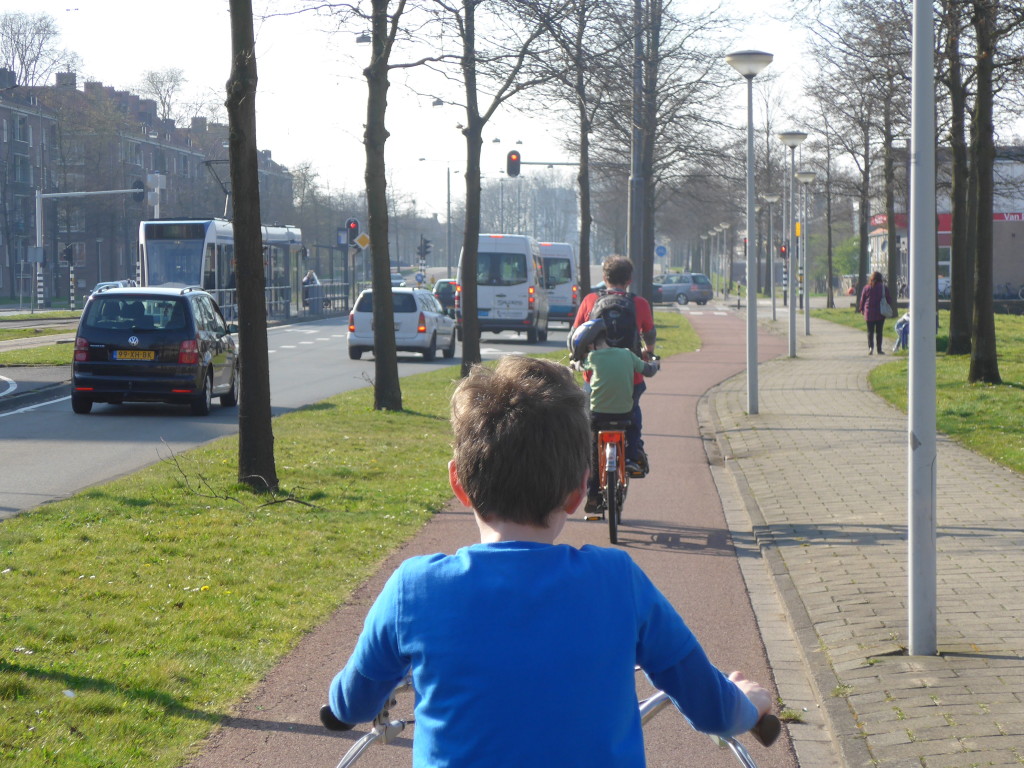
x=574 y=499
x=453 y=480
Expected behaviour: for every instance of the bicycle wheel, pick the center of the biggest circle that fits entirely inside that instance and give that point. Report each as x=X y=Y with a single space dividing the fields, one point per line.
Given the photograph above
x=611 y=492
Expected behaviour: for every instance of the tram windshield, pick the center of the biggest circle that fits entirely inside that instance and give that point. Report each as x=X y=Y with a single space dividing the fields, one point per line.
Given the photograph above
x=174 y=254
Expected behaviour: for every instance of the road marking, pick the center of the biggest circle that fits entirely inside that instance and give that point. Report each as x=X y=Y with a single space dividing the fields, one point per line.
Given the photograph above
x=288 y=346
x=28 y=408
x=307 y=342
x=11 y=385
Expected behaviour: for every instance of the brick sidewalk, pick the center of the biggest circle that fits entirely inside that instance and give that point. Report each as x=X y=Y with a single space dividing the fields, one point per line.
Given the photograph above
x=822 y=473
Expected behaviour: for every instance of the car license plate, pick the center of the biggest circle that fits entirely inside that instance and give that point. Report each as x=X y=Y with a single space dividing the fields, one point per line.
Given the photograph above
x=134 y=354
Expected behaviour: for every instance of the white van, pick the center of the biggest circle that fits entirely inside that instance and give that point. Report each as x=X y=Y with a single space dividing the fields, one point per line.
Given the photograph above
x=562 y=284
x=510 y=287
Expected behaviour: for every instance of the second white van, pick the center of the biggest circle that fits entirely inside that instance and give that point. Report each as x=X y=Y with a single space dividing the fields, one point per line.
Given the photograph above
x=510 y=287
x=561 y=283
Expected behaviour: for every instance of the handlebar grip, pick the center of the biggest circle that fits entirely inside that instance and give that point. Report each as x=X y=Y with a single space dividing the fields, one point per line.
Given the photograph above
x=330 y=722
x=767 y=730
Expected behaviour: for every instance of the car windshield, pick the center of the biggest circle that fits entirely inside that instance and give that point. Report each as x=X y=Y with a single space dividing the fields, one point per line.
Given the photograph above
x=404 y=302
x=136 y=313
x=501 y=268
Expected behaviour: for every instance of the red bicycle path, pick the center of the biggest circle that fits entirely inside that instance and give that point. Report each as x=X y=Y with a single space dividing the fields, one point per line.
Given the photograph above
x=673 y=527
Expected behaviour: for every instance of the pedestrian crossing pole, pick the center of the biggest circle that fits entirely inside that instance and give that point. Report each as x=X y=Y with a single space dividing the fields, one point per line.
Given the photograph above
x=71 y=284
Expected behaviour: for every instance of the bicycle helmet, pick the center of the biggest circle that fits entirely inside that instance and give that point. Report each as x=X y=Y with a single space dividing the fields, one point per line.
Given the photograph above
x=582 y=339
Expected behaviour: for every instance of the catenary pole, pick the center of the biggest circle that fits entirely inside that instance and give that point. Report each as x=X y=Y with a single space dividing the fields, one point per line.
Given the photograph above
x=921 y=426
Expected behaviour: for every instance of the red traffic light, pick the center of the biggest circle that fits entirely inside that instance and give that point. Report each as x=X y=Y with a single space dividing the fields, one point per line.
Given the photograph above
x=512 y=163
x=352 y=228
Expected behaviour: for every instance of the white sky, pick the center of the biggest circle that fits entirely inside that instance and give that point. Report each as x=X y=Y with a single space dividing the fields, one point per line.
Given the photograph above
x=311 y=98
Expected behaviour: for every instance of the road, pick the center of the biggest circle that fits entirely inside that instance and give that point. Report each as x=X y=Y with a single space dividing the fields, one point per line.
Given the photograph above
x=308 y=363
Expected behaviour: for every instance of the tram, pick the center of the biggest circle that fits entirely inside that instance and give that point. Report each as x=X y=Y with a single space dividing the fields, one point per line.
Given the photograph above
x=201 y=252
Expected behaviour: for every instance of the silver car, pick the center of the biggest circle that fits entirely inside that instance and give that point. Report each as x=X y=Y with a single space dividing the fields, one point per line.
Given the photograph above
x=421 y=324
x=684 y=288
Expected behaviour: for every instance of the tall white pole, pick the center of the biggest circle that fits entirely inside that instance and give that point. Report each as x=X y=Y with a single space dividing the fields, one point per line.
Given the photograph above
x=793 y=276
x=805 y=257
x=921 y=427
x=751 y=258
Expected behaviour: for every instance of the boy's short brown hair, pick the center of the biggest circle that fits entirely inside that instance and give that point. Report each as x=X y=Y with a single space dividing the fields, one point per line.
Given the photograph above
x=522 y=438
x=618 y=270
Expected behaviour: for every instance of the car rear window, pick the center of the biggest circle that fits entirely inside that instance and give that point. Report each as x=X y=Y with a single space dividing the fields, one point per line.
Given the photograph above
x=135 y=313
x=701 y=280
x=403 y=302
x=500 y=268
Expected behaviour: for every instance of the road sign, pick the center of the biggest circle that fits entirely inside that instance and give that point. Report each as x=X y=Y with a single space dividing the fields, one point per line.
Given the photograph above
x=661 y=251
x=363 y=240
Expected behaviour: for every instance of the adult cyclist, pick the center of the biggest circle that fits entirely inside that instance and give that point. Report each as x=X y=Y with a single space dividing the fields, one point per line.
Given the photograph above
x=618 y=275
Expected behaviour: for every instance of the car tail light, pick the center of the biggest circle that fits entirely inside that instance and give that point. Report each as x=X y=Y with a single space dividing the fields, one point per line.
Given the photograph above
x=458 y=296
x=422 y=326
x=575 y=295
x=188 y=352
x=81 y=349
x=352 y=322
x=533 y=299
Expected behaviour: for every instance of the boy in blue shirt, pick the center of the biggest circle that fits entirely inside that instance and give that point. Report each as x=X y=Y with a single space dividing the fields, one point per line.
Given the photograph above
x=499 y=637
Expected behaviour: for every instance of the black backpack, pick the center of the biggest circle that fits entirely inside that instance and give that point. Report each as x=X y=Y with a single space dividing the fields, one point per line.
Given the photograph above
x=618 y=310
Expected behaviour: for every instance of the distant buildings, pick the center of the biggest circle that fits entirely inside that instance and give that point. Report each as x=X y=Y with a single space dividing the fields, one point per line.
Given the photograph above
x=61 y=139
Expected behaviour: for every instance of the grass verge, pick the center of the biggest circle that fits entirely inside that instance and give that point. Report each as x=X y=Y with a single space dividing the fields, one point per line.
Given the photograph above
x=134 y=615
x=987 y=419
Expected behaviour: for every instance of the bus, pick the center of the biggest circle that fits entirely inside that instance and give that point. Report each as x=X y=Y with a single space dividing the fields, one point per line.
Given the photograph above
x=201 y=252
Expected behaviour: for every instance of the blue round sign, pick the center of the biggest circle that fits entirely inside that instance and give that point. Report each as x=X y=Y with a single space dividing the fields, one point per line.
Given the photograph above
x=661 y=251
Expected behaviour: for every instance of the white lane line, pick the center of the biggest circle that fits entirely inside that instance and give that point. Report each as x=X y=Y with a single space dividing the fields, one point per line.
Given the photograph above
x=28 y=408
x=11 y=385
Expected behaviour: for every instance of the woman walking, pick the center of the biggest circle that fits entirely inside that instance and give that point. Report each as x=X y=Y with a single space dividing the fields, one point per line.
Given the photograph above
x=870 y=305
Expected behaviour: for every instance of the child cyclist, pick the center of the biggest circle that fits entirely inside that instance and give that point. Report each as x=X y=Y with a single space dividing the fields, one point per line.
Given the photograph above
x=521 y=650
x=611 y=372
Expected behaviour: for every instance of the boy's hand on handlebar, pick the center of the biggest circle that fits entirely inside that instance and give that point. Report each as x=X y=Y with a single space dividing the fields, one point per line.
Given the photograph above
x=332 y=723
x=759 y=697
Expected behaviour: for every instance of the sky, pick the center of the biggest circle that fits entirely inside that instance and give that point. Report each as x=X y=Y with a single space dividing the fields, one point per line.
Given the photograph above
x=311 y=97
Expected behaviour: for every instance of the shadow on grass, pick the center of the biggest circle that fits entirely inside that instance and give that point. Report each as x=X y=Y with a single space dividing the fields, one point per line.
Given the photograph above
x=78 y=683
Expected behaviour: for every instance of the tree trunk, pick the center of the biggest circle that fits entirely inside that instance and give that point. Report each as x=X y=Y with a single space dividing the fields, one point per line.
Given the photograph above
x=961 y=267
x=387 y=391
x=984 y=362
x=586 y=216
x=471 y=240
x=864 y=215
x=256 y=466
x=889 y=175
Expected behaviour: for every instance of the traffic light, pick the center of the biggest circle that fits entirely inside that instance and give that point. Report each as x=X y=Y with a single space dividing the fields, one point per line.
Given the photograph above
x=352 y=230
x=782 y=251
x=428 y=247
x=139 y=196
x=512 y=163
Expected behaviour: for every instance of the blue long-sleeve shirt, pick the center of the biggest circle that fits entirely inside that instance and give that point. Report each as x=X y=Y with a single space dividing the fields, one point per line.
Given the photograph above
x=524 y=654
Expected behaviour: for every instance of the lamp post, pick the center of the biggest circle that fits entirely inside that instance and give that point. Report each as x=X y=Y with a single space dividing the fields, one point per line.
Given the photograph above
x=748 y=64
x=723 y=254
x=805 y=178
x=772 y=198
x=792 y=139
x=703 y=250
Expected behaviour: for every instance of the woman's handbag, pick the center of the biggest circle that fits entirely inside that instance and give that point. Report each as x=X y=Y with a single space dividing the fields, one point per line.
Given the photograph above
x=883 y=306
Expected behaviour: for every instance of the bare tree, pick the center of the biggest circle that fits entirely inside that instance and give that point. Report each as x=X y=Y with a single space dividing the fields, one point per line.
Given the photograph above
x=490 y=76
x=256 y=465
x=164 y=86
x=29 y=48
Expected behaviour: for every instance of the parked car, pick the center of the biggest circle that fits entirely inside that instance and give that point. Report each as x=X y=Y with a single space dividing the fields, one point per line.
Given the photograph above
x=684 y=288
x=421 y=324
x=167 y=345
x=444 y=292
x=126 y=283
x=397 y=280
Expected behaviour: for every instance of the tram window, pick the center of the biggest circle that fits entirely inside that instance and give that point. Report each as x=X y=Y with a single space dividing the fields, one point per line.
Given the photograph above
x=209 y=268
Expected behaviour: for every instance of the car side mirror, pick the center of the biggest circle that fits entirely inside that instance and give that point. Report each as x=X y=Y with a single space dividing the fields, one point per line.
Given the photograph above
x=232 y=327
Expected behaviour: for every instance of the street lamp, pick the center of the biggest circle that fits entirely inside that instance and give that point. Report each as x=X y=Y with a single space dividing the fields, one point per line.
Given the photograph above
x=792 y=139
x=749 y=64
x=772 y=198
x=805 y=178
x=703 y=250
